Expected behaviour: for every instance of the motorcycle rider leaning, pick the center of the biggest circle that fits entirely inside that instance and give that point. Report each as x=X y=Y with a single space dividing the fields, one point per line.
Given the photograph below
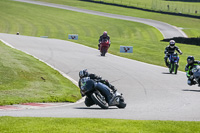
x=105 y=36
x=191 y=63
x=84 y=73
x=170 y=49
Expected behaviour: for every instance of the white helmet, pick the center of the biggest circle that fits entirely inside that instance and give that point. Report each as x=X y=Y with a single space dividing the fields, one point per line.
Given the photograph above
x=172 y=43
x=105 y=33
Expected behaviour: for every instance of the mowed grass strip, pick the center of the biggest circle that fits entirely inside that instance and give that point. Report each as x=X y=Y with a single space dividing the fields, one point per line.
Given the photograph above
x=35 y=20
x=89 y=125
x=143 y=39
x=58 y=23
x=190 y=26
x=26 y=79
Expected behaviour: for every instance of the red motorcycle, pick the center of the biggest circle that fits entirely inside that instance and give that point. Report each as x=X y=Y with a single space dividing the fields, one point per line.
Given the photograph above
x=104 y=45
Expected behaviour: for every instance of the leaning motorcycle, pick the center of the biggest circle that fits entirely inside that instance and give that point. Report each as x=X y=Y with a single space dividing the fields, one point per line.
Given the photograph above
x=104 y=45
x=101 y=94
x=196 y=74
x=173 y=63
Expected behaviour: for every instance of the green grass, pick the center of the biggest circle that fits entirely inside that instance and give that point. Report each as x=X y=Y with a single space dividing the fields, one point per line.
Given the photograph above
x=21 y=82
x=145 y=51
x=35 y=20
x=191 y=26
x=87 y=125
x=57 y=23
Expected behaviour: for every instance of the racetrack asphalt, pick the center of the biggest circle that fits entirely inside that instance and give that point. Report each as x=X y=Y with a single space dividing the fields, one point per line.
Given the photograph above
x=150 y=91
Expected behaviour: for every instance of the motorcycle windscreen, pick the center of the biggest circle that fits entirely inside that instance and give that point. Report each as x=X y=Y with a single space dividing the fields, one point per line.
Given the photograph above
x=89 y=86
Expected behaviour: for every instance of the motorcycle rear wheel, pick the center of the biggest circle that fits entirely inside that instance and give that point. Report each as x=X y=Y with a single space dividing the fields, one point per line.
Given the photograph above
x=97 y=98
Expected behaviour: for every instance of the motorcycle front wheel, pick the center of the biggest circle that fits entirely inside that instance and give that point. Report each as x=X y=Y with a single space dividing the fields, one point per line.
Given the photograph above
x=99 y=100
x=103 y=53
x=171 y=68
x=122 y=104
x=175 y=68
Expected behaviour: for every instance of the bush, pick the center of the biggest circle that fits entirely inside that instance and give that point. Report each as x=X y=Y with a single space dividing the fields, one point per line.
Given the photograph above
x=184 y=40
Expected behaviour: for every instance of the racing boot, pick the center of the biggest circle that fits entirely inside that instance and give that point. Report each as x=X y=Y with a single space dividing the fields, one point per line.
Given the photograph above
x=89 y=102
x=166 y=63
x=191 y=82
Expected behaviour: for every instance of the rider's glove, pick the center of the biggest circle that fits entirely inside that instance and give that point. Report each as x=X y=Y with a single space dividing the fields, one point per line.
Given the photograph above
x=104 y=81
x=181 y=53
x=113 y=88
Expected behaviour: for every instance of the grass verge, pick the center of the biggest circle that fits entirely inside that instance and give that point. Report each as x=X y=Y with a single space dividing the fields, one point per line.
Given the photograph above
x=21 y=82
x=88 y=125
x=58 y=23
x=190 y=26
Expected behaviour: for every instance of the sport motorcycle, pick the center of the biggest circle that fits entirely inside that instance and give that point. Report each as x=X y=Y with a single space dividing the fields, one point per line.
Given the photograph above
x=100 y=94
x=104 y=45
x=173 y=63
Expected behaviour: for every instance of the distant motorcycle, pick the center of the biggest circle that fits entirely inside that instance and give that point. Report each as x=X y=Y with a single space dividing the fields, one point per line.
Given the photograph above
x=196 y=73
x=173 y=63
x=104 y=45
x=101 y=94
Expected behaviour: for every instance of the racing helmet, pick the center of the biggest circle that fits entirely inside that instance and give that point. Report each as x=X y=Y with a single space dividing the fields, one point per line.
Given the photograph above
x=172 y=43
x=105 y=33
x=190 y=59
x=83 y=73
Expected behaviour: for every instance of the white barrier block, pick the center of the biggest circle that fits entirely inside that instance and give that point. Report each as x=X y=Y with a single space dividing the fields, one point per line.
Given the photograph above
x=44 y=36
x=126 y=49
x=73 y=37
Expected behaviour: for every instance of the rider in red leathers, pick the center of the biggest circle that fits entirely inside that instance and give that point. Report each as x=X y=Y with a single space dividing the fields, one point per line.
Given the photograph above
x=105 y=36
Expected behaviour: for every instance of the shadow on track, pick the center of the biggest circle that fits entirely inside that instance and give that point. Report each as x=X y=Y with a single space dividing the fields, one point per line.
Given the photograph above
x=93 y=108
x=192 y=90
x=166 y=73
x=169 y=73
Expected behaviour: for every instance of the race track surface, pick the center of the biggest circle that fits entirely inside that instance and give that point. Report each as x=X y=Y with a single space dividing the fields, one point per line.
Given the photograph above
x=150 y=91
x=168 y=31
